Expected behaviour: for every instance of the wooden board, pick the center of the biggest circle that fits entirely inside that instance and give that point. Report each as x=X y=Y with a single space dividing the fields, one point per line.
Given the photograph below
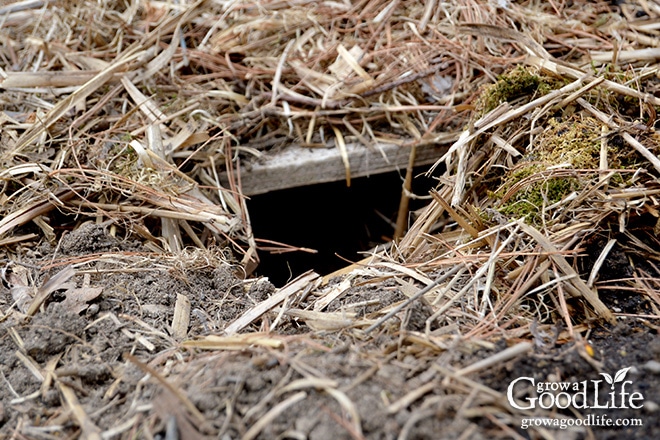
x=296 y=166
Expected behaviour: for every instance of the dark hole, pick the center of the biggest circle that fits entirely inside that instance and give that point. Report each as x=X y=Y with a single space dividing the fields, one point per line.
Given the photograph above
x=337 y=221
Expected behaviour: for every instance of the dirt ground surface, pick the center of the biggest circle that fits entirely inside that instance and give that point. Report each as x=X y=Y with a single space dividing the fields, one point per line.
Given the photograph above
x=119 y=357
x=520 y=302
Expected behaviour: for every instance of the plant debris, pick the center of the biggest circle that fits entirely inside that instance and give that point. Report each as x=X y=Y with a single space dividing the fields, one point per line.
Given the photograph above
x=128 y=306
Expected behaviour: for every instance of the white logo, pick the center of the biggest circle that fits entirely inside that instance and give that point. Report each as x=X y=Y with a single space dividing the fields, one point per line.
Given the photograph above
x=579 y=395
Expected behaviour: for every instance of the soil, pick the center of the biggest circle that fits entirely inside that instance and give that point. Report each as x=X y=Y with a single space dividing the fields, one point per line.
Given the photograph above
x=133 y=379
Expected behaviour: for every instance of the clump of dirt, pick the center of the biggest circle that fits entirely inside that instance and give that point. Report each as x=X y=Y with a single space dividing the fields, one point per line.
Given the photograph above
x=51 y=332
x=93 y=238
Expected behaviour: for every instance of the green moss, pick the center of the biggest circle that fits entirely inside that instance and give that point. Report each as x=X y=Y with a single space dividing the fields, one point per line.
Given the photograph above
x=569 y=141
x=528 y=189
x=575 y=142
x=517 y=83
x=518 y=174
x=530 y=202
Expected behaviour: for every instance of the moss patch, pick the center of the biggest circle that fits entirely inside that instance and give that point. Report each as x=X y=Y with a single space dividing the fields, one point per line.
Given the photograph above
x=544 y=176
x=517 y=83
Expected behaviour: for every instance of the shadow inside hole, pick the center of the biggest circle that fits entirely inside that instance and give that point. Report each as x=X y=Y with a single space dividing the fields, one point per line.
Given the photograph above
x=337 y=221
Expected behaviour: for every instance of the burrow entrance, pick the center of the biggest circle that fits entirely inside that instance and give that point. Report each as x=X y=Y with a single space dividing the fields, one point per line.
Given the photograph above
x=339 y=222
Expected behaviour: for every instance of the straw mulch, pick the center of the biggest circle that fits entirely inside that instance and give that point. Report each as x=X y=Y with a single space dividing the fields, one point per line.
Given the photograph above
x=119 y=117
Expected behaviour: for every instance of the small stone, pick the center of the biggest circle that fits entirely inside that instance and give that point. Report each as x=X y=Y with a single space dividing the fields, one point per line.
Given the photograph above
x=652 y=366
x=633 y=371
x=651 y=407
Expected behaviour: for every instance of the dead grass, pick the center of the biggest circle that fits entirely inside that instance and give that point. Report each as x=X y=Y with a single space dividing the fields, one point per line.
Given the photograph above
x=128 y=112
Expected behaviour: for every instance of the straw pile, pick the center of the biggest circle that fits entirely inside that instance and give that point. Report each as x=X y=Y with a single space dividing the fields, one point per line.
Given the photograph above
x=150 y=102
x=125 y=113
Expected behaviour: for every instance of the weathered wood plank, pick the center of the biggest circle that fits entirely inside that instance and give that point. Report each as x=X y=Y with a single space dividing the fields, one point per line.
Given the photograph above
x=296 y=166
